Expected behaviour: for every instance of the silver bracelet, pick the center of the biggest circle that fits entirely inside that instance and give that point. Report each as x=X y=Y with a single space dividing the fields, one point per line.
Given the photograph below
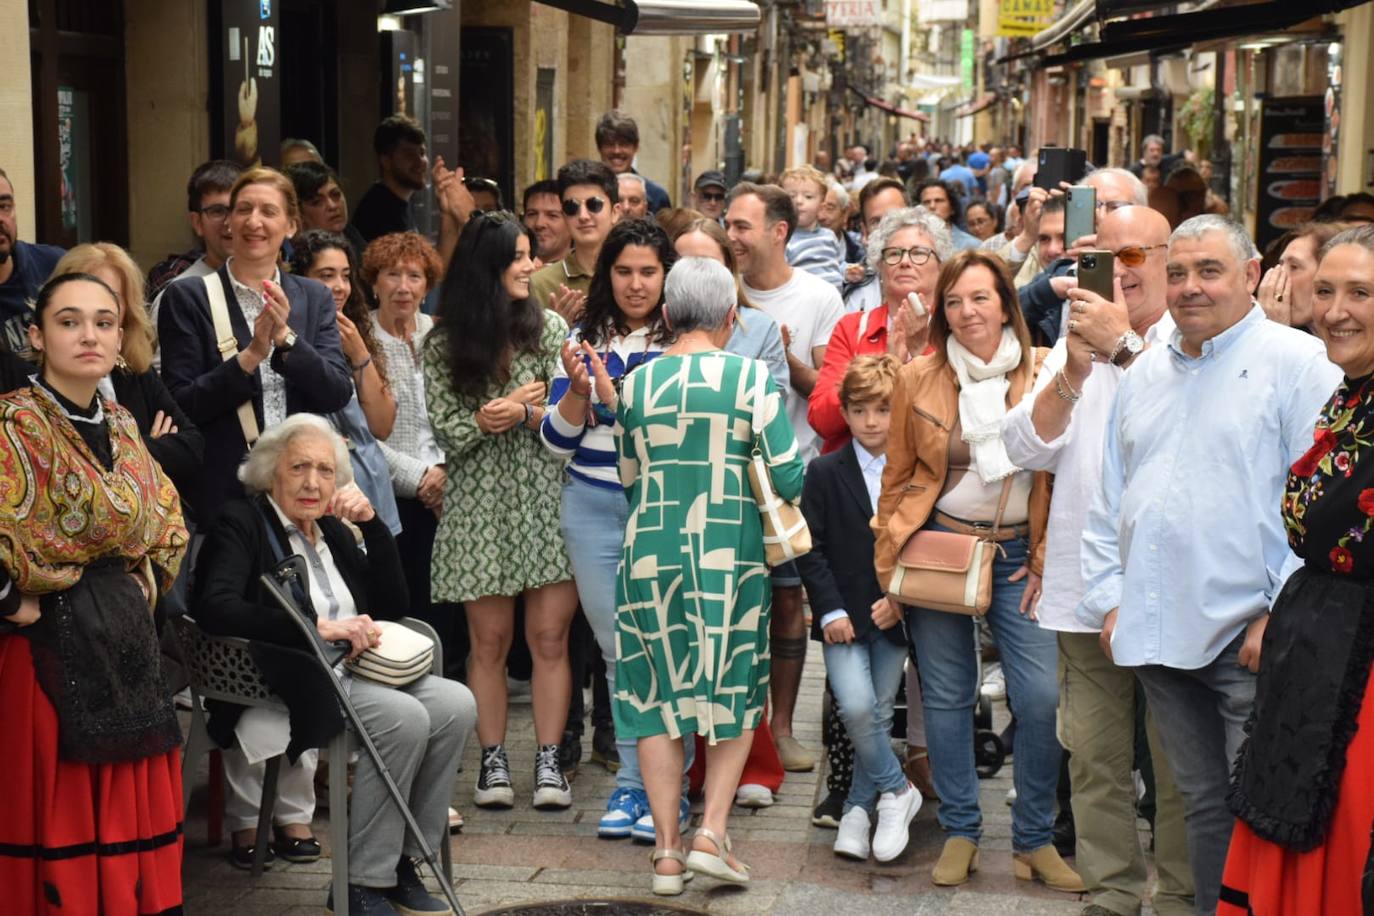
x=1064 y=389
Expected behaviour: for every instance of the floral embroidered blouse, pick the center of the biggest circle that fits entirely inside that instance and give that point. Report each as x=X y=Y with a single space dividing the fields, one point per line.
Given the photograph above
x=1328 y=506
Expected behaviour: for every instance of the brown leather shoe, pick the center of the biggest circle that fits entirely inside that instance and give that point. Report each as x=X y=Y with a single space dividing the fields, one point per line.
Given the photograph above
x=1044 y=864
x=958 y=860
x=917 y=769
x=794 y=757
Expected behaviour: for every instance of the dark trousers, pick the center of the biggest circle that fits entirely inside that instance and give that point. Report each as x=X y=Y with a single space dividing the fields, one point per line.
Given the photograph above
x=415 y=543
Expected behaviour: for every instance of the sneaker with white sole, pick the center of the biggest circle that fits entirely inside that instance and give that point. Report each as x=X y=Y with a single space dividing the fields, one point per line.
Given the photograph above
x=752 y=795
x=493 y=783
x=550 y=785
x=623 y=808
x=896 y=810
x=643 y=830
x=852 y=841
x=994 y=685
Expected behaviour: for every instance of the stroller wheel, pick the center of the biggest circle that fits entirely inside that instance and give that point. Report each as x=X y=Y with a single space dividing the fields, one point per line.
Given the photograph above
x=982 y=713
x=988 y=753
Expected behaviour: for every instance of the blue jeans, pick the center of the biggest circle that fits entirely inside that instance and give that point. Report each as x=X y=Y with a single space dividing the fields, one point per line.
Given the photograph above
x=593 y=524
x=946 y=647
x=864 y=676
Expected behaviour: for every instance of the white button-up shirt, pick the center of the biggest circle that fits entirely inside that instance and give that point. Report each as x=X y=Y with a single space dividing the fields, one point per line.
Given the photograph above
x=1186 y=535
x=1075 y=458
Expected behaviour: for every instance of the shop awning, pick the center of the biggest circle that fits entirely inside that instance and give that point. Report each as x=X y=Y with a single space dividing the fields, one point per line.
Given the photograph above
x=973 y=106
x=891 y=109
x=667 y=17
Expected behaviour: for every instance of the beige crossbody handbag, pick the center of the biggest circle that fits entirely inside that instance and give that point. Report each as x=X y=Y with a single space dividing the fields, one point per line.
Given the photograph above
x=785 y=534
x=949 y=571
x=228 y=349
x=402 y=656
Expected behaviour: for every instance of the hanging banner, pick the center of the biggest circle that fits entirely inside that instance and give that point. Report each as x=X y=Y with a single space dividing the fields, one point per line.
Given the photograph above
x=1024 y=18
x=844 y=14
x=967 y=58
x=251 y=102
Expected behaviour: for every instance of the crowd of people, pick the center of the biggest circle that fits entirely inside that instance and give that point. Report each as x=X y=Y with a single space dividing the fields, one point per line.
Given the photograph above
x=536 y=433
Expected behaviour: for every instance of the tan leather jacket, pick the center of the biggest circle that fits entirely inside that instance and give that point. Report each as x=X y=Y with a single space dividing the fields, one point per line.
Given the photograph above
x=925 y=407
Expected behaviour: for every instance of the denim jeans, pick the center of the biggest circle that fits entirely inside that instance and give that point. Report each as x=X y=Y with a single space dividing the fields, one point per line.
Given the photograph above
x=593 y=524
x=864 y=676
x=1200 y=716
x=946 y=648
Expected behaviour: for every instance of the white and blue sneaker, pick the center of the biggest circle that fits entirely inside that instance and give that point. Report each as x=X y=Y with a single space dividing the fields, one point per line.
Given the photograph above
x=643 y=830
x=623 y=809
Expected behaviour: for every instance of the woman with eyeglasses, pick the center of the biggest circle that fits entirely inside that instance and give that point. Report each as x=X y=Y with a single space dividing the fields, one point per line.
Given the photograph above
x=487 y=367
x=983 y=219
x=947 y=470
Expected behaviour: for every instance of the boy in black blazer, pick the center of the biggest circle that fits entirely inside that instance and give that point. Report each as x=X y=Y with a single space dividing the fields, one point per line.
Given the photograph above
x=865 y=643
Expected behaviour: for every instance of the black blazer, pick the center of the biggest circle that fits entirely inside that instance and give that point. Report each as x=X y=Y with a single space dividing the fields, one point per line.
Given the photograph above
x=228 y=600
x=838 y=572
x=210 y=389
x=181 y=453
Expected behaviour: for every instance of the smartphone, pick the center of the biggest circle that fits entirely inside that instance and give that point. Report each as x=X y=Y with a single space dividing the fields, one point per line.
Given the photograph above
x=1080 y=213
x=1059 y=163
x=1095 y=269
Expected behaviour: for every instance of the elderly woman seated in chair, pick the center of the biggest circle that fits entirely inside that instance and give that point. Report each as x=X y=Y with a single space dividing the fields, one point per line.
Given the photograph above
x=301 y=501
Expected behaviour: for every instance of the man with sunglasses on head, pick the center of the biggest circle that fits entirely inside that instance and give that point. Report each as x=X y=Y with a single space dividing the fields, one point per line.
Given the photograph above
x=542 y=212
x=589 y=192
x=708 y=195
x=1059 y=427
x=486 y=194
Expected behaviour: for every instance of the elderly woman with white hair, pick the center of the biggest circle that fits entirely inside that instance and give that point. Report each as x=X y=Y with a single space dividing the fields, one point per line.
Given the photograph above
x=299 y=502
x=693 y=592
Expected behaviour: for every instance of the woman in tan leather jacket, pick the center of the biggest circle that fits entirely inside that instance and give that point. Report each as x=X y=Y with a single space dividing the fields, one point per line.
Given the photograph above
x=947 y=470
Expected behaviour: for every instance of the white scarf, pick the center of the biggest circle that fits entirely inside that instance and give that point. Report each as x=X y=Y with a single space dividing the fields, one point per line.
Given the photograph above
x=983 y=403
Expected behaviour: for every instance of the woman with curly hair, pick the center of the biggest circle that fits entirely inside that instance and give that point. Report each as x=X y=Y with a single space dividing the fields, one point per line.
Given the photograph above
x=486 y=371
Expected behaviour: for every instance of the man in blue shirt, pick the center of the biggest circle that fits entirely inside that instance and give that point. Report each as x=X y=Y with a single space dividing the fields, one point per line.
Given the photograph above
x=962 y=177
x=23 y=270
x=617 y=141
x=1184 y=549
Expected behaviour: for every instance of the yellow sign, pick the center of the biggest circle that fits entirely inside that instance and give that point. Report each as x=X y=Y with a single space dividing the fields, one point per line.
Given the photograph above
x=1024 y=18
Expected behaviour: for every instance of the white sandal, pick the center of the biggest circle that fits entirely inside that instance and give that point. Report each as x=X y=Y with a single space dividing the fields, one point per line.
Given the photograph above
x=669 y=885
x=714 y=864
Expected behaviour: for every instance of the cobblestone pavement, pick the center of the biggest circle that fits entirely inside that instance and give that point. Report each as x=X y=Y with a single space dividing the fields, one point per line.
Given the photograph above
x=523 y=856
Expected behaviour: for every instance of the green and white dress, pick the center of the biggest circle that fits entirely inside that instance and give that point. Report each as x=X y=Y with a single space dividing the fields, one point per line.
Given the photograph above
x=693 y=595
x=499 y=532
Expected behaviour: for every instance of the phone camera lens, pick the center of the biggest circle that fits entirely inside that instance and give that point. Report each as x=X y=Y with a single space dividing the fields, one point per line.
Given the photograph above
x=1090 y=261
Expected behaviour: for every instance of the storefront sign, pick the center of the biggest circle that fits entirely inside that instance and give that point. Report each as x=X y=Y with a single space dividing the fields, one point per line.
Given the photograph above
x=1290 y=165
x=1024 y=18
x=251 y=80
x=65 y=165
x=966 y=58
x=843 y=14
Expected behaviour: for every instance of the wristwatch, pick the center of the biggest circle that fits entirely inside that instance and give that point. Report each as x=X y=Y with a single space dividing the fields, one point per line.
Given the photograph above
x=1128 y=346
x=288 y=341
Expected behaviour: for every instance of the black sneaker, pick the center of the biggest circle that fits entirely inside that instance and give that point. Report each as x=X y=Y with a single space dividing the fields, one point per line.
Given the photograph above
x=409 y=896
x=603 y=748
x=829 y=811
x=550 y=785
x=364 y=901
x=570 y=753
x=493 y=783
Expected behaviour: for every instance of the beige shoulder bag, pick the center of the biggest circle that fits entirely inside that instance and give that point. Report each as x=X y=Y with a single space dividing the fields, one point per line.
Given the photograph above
x=785 y=534
x=229 y=349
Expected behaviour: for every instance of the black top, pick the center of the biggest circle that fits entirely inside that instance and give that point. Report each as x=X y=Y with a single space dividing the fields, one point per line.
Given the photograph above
x=380 y=211
x=33 y=264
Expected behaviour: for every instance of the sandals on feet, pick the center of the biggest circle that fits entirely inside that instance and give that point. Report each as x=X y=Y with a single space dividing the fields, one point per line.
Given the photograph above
x=714 y=864
x=669 y=885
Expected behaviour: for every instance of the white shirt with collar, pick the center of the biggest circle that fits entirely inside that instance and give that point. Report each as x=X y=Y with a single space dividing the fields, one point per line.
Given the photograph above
x=871 y=466
x=273 y=385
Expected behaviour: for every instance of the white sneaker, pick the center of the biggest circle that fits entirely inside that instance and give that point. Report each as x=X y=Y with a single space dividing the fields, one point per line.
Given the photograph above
x=852 y=841
x=895 y=813
x=752 y=795
x=994 y=682
x=1011 y=796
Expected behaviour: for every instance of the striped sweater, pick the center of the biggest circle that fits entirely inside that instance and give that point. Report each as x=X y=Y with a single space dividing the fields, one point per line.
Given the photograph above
x=817 y=251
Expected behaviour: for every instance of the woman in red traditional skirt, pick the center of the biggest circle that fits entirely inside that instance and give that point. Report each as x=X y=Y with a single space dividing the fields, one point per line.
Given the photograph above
x=1302 y=788
x=90 y=530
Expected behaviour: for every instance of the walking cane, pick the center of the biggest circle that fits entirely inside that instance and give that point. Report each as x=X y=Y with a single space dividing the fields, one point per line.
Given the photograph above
x=293 y=568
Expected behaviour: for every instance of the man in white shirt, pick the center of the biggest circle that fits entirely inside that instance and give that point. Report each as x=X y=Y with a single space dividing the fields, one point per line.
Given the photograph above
x=759 y=220
x=1058 y=428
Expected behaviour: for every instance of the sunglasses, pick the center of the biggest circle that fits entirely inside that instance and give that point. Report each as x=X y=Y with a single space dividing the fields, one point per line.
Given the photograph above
x=712 y=196
x=919 y=255
x=1135 y=255
x=572 y=206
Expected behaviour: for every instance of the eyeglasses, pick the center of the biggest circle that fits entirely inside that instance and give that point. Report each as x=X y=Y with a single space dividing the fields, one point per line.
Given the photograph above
x=572 y=206
x=215 y=212
x=1135 y=255
x=919 y=255
x=1111 y=206
x=714 y=197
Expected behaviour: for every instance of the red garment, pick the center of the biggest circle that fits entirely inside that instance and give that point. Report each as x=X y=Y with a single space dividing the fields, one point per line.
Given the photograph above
x=1326 y=880
x=78 y=837
x=763 y=767
x=823 y=407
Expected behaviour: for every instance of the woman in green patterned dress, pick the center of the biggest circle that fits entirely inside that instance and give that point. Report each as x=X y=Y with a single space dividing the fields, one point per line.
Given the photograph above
x=694 y=591
x=487 y=368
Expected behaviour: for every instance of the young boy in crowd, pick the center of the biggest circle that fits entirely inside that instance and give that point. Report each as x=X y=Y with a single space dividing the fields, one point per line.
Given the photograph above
x=812 y=247
x=864 y=640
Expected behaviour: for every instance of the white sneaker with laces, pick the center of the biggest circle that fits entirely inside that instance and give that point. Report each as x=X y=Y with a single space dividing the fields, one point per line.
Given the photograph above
x=852 y=841
x=895 y=813
x=752 y=795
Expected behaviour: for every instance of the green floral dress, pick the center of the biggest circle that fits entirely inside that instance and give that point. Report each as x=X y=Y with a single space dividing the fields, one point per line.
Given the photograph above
x=693 y=592
x=499 y=532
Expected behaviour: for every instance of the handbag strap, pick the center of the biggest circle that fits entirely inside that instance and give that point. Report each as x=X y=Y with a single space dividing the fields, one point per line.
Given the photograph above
x=757 y=422
x=228 y=346
x=1006 y=490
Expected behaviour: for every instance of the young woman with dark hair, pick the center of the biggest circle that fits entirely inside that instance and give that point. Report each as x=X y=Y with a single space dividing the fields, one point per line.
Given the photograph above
x=487 y=368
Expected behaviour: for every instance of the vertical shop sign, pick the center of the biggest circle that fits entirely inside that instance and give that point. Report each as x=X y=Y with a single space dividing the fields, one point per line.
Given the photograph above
x=66 y=166
x=543 y=123
x=251 y=78
x=966 y=58
x=1290 y=164
x=486 y=90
